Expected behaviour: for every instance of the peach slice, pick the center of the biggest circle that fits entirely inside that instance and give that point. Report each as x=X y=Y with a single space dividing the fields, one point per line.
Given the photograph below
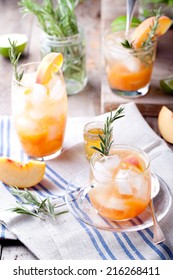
x=140 y=34
x=50 y=64
x=21 y=175
x=132 y=162
x=165 y=124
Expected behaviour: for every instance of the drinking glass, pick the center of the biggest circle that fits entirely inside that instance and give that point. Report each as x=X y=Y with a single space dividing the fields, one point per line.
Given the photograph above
x=74 y=53
x=91 y=133
x=121 y=183
x=39 y=112
x=128 y=70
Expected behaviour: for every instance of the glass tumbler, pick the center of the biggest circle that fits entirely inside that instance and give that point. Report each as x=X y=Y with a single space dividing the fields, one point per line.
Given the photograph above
x=121 y=183
x=39 y=112
x=128 y=70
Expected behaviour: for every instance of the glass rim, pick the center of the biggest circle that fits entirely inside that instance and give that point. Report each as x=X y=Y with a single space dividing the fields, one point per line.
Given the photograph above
x=64 y=40
x=127 y=147
x=22 y=66
x=92 y=124
x=119 y=48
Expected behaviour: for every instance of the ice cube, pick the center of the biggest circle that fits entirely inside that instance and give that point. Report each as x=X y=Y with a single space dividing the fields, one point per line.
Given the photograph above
x=26 y=124
x=56 y=89
x=125 y=173
x=132 y=63
x=37 y=112
x=101 y=174
x=112 y=203
x=123 y=181
x=116 y=203
x=107 y=164
x=104 y=169
x=140 y=185
x=39 y=94
x=28 y=79
x=115 y=39
x=39 y=101
x=18 y=102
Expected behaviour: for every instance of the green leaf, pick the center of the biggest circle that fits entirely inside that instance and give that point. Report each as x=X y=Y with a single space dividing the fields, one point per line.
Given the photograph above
x=120 y=23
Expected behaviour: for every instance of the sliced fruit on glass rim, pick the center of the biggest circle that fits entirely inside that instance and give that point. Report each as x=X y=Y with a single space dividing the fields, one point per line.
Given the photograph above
x=20 y=40
x=120 y=23
x=21 y=175
x=140 y=34
x=50 y=64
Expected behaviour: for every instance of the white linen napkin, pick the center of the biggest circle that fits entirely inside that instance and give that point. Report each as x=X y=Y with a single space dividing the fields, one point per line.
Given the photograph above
x=68 y=238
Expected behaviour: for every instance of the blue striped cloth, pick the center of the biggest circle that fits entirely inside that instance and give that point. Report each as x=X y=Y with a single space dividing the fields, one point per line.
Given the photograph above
x=82 y=241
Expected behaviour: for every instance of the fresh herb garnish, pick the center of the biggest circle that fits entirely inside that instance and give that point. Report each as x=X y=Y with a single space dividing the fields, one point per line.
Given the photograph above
x=151 y=34
x=106 y=142
x=153 y=28
x=126 y=44
x=56 y=20
x=14 y=58
x=31 y=204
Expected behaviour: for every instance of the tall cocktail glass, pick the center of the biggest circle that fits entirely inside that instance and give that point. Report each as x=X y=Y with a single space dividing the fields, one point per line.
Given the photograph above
x=40 y=112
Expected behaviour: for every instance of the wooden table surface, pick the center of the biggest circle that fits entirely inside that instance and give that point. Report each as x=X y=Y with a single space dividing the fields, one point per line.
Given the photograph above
x=94 y=16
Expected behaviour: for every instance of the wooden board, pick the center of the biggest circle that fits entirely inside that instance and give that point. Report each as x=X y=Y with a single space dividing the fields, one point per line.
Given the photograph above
x=150 y=104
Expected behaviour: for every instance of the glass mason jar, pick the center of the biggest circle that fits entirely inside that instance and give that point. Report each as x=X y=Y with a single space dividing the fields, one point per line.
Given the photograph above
x=146 y=8
x=121 y=182
x=128 y=71
x=91 y=133
x=74 y=53
x=39 y=112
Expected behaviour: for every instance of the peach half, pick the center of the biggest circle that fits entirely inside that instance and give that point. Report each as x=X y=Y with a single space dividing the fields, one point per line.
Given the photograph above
x=50 y=64
x=165 y=124
x=21 y=175
x=140 y=34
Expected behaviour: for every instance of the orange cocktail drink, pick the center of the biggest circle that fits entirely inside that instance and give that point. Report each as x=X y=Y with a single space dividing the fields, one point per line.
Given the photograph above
x=39 y=105
x=121 y=183
x=129 y=57
x=128 y=71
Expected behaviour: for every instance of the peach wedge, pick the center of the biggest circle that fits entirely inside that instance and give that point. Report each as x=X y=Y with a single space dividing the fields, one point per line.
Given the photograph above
x=165 y=124
x=141 y=32
x=50 y=64
x=21 y=175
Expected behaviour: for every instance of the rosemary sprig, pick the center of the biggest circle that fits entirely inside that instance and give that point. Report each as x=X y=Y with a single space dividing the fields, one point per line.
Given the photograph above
x=14 y=58
x=54 y=19
x=105 y=140
x=126 y=44
x=151 y=35
x=31 y=204
x=153 y=28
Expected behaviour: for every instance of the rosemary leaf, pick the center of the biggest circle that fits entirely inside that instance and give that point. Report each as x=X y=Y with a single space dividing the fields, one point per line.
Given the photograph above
x=153 y=29
x=126 y=44
x=21 y=209
x=39 y=206
x=105 y=139
x=14 y=58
